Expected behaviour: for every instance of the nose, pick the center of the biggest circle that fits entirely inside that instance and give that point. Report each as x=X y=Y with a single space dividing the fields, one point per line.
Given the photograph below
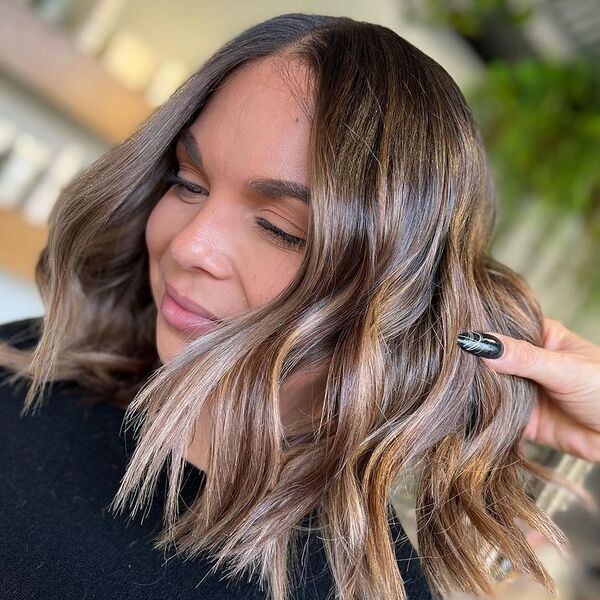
x=205 y=242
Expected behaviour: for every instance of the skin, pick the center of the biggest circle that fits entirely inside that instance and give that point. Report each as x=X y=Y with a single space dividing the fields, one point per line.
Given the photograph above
x=208 y=245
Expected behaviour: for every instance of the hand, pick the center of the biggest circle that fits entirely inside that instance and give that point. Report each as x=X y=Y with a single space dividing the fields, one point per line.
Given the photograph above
x=567 y=370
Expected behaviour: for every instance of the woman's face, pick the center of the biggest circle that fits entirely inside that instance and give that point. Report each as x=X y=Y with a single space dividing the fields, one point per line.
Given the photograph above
x=214 y=244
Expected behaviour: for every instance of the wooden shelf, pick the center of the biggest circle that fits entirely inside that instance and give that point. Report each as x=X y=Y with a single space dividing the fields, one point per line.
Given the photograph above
x=20 y=243
x=44 y=59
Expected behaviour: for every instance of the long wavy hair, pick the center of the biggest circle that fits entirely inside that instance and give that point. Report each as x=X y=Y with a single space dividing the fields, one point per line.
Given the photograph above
x=394 y=268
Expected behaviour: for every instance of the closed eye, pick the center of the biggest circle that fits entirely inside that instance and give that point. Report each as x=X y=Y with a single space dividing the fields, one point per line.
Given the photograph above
x=182 y=184
x=281 y=237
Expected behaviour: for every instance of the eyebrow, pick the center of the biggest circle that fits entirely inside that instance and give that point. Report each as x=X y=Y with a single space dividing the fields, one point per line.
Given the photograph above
x=264 y=186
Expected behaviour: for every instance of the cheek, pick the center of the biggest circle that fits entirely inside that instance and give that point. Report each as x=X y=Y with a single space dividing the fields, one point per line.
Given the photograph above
x=274 y=276
x=160 y=228
x=157 y=230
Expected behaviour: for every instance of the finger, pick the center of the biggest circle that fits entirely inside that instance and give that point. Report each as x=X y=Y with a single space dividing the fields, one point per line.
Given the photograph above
x=519 y=357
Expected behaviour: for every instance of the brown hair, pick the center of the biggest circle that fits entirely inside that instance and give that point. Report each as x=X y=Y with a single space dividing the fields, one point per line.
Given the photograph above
x=395 y=267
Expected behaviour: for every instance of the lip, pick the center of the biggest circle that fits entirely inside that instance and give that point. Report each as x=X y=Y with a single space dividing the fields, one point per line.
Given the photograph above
x=189 y=305
x=184 y=320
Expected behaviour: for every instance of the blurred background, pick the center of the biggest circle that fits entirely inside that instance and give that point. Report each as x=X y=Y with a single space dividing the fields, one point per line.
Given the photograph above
x=79 y=76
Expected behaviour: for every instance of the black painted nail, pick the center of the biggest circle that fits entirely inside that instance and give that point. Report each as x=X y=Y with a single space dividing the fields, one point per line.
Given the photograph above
x=485 y=345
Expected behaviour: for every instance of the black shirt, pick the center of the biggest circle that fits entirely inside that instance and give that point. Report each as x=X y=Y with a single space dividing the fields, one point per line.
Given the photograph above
x=59 y=470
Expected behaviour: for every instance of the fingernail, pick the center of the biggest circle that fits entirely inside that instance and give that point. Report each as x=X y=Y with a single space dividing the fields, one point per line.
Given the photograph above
x=485 y=345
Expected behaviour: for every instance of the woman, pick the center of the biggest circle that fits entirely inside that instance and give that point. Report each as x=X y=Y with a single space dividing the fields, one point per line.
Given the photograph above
x=269 y=277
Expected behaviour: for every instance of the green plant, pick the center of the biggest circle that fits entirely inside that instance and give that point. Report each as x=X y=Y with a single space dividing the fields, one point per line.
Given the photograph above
x=541 y=124
x=467 y=16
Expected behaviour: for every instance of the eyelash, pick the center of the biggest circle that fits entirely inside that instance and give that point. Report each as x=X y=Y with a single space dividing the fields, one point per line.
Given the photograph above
x=287 y=240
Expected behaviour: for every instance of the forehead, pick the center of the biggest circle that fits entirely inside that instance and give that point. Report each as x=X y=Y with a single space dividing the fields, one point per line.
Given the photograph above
x=254 y=124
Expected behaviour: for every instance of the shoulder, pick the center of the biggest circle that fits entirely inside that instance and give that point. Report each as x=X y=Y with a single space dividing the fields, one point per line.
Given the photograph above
x=22 y=333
